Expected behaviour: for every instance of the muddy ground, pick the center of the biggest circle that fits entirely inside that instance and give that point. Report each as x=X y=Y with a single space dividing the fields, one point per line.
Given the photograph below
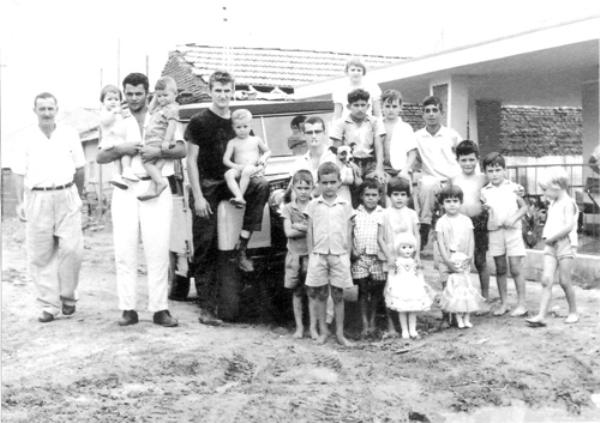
x=86 y=368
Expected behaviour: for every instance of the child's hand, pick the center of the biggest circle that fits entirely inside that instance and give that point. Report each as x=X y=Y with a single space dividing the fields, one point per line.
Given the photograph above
x=392 y=266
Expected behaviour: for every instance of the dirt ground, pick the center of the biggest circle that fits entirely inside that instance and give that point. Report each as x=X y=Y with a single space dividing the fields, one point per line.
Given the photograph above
x=86 y=367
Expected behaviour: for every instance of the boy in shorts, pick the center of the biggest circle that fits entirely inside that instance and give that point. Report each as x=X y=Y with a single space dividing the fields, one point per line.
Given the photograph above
x=505 y=209
x=369 y=252
x=329 y=246
x=471 y=181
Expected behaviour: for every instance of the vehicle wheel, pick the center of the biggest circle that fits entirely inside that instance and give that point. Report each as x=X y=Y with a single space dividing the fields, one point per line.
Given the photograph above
x=228 y=280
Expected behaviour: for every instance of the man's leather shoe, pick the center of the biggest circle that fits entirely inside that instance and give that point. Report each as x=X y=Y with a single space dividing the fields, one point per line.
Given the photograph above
x=129 y=317
x=245 y=263
x=164 y=318
x=45 y=317
x=67 y=310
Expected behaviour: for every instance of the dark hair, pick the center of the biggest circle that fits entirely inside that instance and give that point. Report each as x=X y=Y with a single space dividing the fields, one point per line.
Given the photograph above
x=357 y=63
x=398 y=184
x=44 y=95
x=313 y=120
x=433 y=101
x=222 y=77
x=493 y=159
x=357 y=95
x=390 y=96
x=297 y=121
x=328 y=168
x=450 y=191
x=110 y=89
x=466 y=147
x=135 y=79
x=303 y=175
x=369 y=183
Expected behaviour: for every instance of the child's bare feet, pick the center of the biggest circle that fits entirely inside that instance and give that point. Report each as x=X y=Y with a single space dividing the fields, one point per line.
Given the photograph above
x=520 y=311
x=314 y=335
x=536 y=321
x=415 y=335
x=405 y=335
x=321 y=339
x=500 y=311
x=390 y=333
x=130 y=175
x=153 y=192
x=572 y=318
x=299 y=334
x=343 y=341
x=468 y=324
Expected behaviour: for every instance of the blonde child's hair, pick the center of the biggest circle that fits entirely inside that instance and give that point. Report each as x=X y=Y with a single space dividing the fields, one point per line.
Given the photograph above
x=555 y=176
x=164 y=83
x=405 y=238
x=241 y=114
x=110 y=89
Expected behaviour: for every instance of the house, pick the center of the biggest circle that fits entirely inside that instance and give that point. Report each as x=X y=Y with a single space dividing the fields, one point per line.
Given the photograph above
x=260 y=73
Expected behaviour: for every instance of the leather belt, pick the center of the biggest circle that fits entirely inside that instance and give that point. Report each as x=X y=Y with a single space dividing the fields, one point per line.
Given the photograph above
x=52 y=188
x=144 y=178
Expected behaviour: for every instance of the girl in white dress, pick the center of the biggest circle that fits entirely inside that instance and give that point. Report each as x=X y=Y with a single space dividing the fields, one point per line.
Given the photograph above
x=406 y=291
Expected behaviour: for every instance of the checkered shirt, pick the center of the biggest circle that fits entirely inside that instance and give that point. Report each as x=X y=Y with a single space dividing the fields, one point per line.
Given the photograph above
x=366 y=226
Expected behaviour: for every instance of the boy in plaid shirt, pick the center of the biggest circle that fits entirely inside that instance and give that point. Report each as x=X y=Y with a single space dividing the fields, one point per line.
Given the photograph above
x=369 y=252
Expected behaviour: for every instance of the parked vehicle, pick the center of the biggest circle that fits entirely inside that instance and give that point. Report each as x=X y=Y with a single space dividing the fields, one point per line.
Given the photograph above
x=271 y=122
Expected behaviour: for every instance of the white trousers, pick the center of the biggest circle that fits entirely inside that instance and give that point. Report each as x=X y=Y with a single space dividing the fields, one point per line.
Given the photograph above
x=152 y=221
x=54 y=245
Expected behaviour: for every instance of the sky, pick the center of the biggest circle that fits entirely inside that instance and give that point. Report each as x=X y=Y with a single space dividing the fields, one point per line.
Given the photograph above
x=71 y=48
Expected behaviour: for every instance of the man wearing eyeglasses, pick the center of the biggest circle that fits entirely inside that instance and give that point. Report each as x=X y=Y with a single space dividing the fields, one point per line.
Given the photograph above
x=318 y=153
x=436 y=145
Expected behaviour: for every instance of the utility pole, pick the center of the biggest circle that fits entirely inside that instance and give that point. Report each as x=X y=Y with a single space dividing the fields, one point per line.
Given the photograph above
x=118 y=60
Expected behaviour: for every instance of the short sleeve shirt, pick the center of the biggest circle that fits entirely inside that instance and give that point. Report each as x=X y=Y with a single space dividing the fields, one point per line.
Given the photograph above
x=210 y=133
x=293 y=213
x=361 y=134
x=402 y=141
x=366 y=228
x=47 y=162
x=557 y=216
x=437 y=152
x=455 y=231
x=159 y=121
x=330 y=225
x=502 y=202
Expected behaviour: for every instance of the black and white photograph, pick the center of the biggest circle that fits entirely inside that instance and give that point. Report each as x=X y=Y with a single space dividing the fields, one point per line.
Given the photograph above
x=230 y=211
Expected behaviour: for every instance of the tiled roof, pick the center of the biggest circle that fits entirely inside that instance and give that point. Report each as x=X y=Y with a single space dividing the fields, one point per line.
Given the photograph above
x=273 y=66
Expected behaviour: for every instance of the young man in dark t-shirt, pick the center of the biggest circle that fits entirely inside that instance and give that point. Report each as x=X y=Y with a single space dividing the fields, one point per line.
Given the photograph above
x=208 y=133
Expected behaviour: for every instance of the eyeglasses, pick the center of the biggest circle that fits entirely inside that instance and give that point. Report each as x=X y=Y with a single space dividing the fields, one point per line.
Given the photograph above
x=314 y=132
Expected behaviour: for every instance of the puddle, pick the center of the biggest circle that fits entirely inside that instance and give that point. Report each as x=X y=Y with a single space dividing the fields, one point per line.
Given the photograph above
x=520 y=413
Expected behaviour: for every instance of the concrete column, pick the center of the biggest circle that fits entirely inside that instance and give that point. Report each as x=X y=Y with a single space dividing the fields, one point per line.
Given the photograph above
x=458 y=114
x=591 y=117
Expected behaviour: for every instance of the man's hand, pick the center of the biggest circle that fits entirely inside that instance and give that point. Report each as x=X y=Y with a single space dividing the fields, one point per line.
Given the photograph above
x=202 y=208
x=150 y=153
x=128 y=148
x=21 y=212
x=380 y=175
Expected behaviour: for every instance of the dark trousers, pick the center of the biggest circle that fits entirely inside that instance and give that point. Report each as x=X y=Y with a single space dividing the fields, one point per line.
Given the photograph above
x=204 y=231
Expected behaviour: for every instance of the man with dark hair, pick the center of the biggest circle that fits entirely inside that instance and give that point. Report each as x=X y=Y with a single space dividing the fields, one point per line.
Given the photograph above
x=208 y=133
x=49 y=179
x=297 y=141
x=132 y=219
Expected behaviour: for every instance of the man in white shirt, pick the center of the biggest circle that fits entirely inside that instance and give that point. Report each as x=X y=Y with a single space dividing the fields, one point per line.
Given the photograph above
x=49 y=170
x=318 y=151
x=132 y=219
x=436 y=145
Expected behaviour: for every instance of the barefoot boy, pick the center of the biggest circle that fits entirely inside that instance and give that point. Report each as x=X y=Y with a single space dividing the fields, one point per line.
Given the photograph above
x=471 y=182
x=249 y=154
x=328 y=238
x=505 y=210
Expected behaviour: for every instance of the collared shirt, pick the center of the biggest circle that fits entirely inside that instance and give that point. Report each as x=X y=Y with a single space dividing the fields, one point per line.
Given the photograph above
x=134 y=134
x=502 y=202
x=292 y=212
x=366 y=229
x=362 y=134
x=402 y=141
x=330 y=225
x=47 y=162
x=437 y=152
x=471 y=187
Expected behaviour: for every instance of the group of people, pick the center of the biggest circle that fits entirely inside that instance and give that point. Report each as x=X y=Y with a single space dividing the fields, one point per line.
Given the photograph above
x=351 y=219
